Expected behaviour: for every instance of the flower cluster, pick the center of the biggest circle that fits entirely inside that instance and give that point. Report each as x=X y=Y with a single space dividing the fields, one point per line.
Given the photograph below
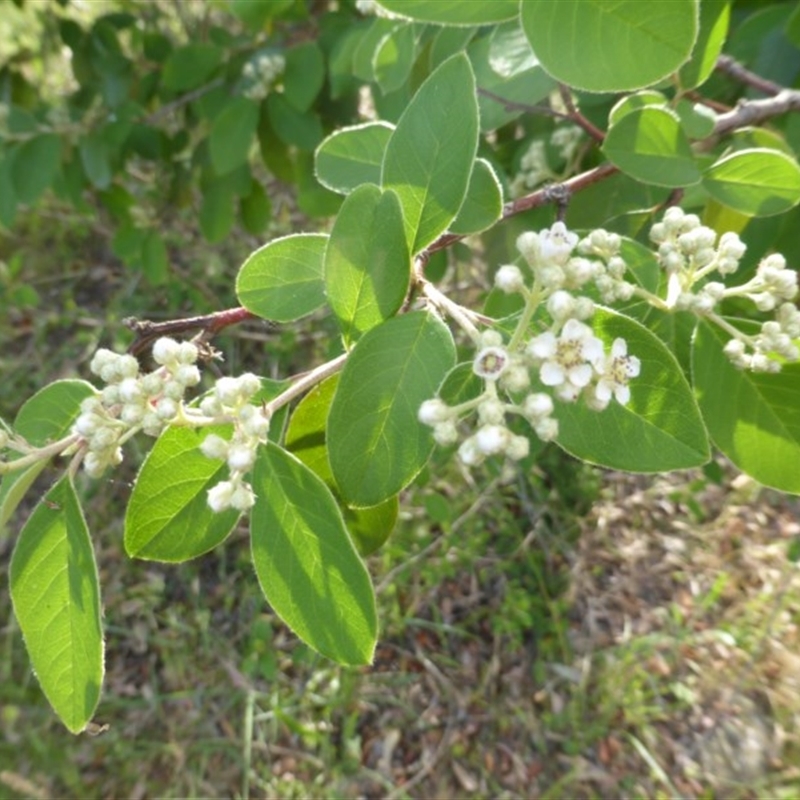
x=689 y=252
x=131 y=402
x=534 y=165
x=230 y=400
x=259 y=74
x=526 y=374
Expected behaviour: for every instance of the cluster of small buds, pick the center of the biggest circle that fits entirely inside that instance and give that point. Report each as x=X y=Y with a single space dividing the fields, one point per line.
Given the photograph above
x=689 y=252
x=130 y=401
x=566 y=138
x=533 y=169
x=259 y=74
x=230 y=400
x=566 y=362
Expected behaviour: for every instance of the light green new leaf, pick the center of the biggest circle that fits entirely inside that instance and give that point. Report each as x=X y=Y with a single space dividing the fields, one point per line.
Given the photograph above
x=56 y=595
x=367 y=265
x=232 y=134
x=352 y=156
x=394 y=57
x=660 y=429
x=305 y=438
x=190 y=65
x=283 y=280
x=45 y=417
x=429 y=157
x=758 y=182
x=376 y=444
x=650 y=145
x=35 y=165
x=483 y=205
x=714 y=20
x=306 y=563
x=453 y=12
x=168 y=516
x=754 y=418
x=611 y=45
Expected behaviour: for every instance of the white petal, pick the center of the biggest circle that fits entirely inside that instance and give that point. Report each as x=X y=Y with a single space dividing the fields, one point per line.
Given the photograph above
x=580 y=375
x=551 y=373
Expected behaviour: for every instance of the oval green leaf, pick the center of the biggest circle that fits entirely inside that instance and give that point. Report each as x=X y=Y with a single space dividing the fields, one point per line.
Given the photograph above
x=168 y=517
x=34 y=166
x=375 y=442
x=453 y=12
x=367 y=265
x=758 y=182
x=611 y=45
x=283 y=280
x=232 y=134
x=394 y=57
x=429 y=158
x=659 y=430
x=56 y=596
x=760 y=431
x=352 y=156
x=483 y=205
x=189 y=66
x=305 y=438
x=650 y=145
x=306 y=563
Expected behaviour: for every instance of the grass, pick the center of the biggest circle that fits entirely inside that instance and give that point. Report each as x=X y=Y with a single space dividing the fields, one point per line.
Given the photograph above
x=558 y=633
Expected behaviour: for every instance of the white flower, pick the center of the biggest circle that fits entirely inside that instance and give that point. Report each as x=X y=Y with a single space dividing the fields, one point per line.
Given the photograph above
x=567 y=361
x=518 y=448
x=617 y=370
x=492 y=439
x=556 y=245
x=491 y=411
x=537 y=406
x=490 y=363
x=214 y=446
x=241 y=457
x=445 y=433
x=165 y=350
x=219 y=496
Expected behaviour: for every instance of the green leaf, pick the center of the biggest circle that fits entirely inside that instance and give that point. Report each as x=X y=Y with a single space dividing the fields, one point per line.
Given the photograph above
x=56 y=595
x=714 y=20
x=168 y=516
x=297 y=128
x=304 y=75
x=483 y=205
x=635 y=102
x=504 y=97
x=367 y=265
x=284 y=279
x=453 y=12
x=255 y=209
x=216 y=212
x=650 y=145
x=306 y=563
x=232 y=134
x=757 y=182
x=352 y=156
x=364 y=52
x=155 y=260
x=305 y=438
x=34 y=166
x=45 y=417
x=394 y=57
x=611 y=45
x=659 y=430
x=189 y=66
x=753 y=418
x=376 y=444
x=448 y=42
x=8 y=199
x=95 y=158
x=429 y=159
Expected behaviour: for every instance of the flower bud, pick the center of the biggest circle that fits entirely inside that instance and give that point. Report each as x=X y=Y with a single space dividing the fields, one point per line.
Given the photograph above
x=165 y=350
x=434 y=411
x=509 y=279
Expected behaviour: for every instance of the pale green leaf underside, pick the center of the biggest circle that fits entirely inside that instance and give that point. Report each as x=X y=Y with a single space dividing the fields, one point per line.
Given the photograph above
x=56 y=596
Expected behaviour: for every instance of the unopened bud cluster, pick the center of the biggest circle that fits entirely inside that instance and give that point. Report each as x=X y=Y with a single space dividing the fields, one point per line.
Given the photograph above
x=566 y=362
x=260 y=73
x=131 y=401
x=230 y=400
x=689 y=252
